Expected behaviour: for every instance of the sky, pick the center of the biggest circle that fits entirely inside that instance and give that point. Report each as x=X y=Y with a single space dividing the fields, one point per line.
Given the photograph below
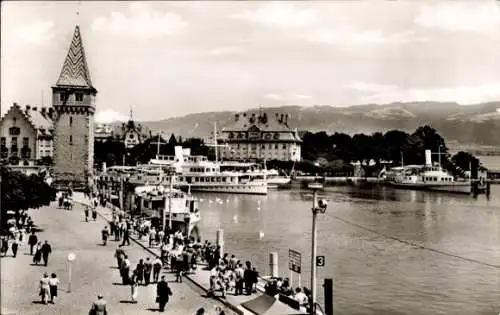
x=167 y=59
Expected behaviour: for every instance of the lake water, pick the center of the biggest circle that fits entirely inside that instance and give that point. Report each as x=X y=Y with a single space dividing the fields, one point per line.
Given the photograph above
x=458 y=272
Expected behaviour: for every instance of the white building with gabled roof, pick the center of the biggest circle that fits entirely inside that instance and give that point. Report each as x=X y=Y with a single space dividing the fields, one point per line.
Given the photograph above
x=257 y=137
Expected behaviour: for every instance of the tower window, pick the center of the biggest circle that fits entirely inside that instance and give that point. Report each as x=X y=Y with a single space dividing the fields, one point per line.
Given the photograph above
x=70 y=121
x=70 y=140
x=79 y=97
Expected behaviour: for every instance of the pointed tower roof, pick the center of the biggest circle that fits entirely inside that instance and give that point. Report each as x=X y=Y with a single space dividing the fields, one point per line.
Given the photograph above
x=75 y=71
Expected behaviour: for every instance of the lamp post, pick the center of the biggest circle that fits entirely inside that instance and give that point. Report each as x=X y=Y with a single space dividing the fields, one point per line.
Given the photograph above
x=318 y=206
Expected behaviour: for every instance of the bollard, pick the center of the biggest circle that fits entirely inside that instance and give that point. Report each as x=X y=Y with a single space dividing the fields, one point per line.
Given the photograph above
x=328 y=288
x=273 y=264
x=220 y=241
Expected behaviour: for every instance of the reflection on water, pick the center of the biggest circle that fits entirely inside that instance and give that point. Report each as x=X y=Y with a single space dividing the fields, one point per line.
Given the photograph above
x=374 y=274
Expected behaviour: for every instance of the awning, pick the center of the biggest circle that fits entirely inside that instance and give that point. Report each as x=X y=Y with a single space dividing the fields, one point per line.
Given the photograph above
x=265 y=305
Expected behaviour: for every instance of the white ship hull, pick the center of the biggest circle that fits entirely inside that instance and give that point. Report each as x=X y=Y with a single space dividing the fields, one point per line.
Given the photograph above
x=454 y=187
x=278 y=182
x=249 y=188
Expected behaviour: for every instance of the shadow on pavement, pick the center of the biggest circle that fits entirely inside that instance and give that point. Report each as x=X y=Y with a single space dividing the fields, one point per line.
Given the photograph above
x=118 y=283
x=153 y=309
x=128 y=302
x=37 y=302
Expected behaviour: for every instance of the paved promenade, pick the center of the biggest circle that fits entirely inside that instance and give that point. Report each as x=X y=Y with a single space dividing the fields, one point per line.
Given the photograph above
x=94 y=271
x=201 y=277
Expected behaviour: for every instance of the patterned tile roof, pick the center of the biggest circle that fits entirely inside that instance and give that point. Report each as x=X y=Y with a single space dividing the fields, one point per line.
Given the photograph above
x=75 y=71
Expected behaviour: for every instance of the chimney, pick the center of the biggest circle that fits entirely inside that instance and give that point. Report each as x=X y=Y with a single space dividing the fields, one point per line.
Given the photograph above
x=236 y=117
x=34 y=108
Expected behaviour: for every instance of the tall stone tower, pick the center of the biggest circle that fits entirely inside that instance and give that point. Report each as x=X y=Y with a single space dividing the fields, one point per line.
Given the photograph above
x=73 y=98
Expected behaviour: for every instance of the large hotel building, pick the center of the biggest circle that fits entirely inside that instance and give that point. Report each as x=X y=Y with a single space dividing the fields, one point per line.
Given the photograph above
x=256 y=136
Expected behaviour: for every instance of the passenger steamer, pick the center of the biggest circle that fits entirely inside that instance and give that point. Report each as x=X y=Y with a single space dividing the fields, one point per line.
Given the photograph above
x=200 y=175
x=426 y=177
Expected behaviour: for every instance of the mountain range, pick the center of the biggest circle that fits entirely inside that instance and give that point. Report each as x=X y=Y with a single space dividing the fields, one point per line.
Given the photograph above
x=466 y=124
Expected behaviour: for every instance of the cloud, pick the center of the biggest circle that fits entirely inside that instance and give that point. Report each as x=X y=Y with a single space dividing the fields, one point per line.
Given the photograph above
x=279 y=14
x=460 y=16
x=274 y=97
x=302 y=96
x=108 y=116
x=37 y=32
x=141 y=22
x=361 y=37
x=289 y=97
x=226 y=50
x=466 y=94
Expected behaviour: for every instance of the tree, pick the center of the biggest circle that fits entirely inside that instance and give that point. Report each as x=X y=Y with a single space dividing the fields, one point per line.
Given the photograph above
x=427 y=138
x=21 y=192
x=398 y=142
x=464 y=161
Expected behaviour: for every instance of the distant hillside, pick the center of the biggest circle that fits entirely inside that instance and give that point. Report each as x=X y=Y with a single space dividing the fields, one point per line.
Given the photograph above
x=473 y=124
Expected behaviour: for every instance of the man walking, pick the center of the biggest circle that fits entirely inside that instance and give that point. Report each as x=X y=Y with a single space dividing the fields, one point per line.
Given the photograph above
x=105 y=234
x=32 y=241
x=14 y=246
x=119 y=255
x=163 y=293
x=46 y=250
x=126 y=237
x=86 y=214
x=156 y=269
x=99 y=307
x=148 y=266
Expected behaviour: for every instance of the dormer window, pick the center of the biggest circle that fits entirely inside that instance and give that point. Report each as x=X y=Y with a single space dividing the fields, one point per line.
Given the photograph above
x=79 y=97
x=62 y=97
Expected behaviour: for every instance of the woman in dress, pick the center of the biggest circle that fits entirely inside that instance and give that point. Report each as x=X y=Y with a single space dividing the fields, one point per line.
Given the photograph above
x=38 y=254
x=53 y=282
x=134 y=290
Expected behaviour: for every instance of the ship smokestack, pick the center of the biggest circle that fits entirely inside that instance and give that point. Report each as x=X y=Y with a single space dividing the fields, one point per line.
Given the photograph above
x=428 y=158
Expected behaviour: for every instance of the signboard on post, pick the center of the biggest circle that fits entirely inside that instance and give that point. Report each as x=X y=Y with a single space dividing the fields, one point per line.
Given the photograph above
x=295 y=261
x=320 y=261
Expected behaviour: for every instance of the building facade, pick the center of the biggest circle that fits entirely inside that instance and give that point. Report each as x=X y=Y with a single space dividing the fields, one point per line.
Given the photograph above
x=26 y=135
x=131 y=133
x=257 y=137
x=73 y=99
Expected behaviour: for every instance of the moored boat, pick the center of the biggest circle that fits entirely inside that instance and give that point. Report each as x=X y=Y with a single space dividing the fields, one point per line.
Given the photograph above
x=170 y=206
x=426 y=177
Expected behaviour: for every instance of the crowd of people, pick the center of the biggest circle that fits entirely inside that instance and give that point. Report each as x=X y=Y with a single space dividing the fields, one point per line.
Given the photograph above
x=16 y=233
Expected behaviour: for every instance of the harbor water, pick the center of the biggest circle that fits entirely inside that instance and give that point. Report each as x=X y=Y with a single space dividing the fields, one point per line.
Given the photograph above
x=367 y=237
